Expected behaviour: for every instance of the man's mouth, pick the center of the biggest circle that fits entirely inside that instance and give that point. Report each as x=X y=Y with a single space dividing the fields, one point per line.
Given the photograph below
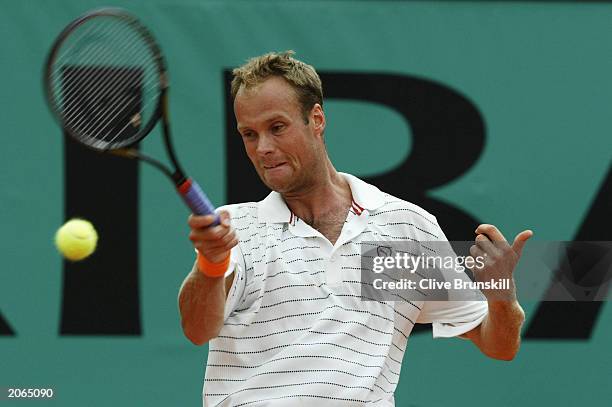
x=272 y=166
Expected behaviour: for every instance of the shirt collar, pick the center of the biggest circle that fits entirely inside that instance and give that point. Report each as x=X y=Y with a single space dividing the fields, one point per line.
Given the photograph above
x=273 y=208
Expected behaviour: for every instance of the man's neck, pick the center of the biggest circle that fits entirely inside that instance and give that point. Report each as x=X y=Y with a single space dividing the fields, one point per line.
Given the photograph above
x=331 y=194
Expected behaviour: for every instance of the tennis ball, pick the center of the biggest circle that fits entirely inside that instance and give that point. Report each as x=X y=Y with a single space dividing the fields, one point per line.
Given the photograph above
x=76 y=239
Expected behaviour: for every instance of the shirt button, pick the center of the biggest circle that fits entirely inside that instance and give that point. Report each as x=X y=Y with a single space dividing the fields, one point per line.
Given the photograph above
x=333 y=258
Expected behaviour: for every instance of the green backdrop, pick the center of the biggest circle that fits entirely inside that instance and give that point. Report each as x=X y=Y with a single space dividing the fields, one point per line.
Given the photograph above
x=539 y=72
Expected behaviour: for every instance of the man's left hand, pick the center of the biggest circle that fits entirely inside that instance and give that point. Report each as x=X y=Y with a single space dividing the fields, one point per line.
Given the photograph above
x=500 y=259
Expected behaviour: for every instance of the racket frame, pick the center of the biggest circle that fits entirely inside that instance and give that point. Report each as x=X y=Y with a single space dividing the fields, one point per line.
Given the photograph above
x=159 y=112
x=190 y=191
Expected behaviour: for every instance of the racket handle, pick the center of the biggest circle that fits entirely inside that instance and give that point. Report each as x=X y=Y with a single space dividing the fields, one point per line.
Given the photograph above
x=197 y=200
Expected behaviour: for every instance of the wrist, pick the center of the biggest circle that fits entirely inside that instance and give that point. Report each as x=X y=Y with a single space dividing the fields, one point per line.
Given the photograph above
x=502 y=296
x=506 y=310
x=212 y=269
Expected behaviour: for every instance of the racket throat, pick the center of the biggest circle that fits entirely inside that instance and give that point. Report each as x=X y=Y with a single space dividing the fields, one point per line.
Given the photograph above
x=179 y=179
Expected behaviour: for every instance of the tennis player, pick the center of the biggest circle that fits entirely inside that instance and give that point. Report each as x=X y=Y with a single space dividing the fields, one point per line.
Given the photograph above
x=275 y=289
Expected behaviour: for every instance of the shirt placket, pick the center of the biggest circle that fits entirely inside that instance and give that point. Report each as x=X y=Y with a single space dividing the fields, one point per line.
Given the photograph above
x=332 y=253
x=352 y=228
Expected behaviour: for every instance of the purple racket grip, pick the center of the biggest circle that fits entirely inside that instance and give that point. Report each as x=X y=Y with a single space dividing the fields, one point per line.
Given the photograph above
x=197 y=200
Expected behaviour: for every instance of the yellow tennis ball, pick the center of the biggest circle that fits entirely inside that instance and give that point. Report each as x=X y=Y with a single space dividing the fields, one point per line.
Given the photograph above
x=76 y=239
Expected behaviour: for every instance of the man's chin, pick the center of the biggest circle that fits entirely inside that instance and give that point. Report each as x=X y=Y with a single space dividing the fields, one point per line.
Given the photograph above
x=278 y=183
x=276 y=186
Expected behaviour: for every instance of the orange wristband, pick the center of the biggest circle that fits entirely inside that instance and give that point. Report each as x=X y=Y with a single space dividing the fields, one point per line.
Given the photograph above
x=212 y=269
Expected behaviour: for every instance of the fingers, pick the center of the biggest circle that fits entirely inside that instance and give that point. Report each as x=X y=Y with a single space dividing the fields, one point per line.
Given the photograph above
x=224 y=218
x=492 y=242
x=476 y=252
x=213 y=242
x=209 y=233
x=218 y=253
x=491 y=232
x=200 y=221
x=520 y=240
x=483 y=242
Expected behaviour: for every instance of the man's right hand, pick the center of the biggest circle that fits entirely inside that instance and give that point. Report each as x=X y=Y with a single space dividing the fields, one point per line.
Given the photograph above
x=213 y=242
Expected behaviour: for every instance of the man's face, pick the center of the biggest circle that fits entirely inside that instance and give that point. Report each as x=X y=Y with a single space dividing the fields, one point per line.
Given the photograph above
x=286 y=152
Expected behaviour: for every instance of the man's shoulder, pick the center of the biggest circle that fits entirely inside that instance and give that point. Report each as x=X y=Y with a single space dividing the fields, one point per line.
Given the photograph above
x=380 y=203
x=394 y=207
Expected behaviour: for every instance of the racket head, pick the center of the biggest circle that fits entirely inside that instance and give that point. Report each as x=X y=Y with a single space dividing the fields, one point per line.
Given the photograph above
x=105 y=79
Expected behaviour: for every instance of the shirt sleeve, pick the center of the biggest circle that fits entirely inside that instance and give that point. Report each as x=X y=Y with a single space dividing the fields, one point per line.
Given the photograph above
x=452 y=318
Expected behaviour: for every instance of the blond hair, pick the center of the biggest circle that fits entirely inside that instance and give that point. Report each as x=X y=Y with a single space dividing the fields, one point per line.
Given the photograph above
x=302 y=77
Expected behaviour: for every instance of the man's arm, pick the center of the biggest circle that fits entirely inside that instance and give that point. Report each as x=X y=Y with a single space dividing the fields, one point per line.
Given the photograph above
x=202 y=305
x=499 y=334
x=202 y=298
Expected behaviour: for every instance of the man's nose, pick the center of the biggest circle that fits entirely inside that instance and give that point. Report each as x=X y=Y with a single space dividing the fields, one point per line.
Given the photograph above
x=265 y=144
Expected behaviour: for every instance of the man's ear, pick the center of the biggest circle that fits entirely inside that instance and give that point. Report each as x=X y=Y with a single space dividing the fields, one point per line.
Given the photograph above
x=317 y=116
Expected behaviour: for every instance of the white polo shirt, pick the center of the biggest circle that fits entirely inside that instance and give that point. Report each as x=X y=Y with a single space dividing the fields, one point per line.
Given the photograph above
x=296 y=331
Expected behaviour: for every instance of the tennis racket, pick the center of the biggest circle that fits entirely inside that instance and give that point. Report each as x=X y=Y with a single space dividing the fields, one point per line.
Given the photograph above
x=106 y=82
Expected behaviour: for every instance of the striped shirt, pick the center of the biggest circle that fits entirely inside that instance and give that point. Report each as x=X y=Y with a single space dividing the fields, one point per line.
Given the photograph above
x=297 y=331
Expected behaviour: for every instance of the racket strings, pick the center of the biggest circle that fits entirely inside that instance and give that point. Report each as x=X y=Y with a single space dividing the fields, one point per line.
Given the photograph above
x=87 y=86
x=102 y=57
x=95 y=121
x=78 y=38
x=115 y=97
x=123 y=128
x=88 y=57
x=92 y=89
x=91 y=39
x=105 y=82
x=135 y=121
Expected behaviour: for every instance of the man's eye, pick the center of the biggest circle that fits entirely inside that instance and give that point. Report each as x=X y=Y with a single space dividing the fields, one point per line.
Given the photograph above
x=278 y=127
